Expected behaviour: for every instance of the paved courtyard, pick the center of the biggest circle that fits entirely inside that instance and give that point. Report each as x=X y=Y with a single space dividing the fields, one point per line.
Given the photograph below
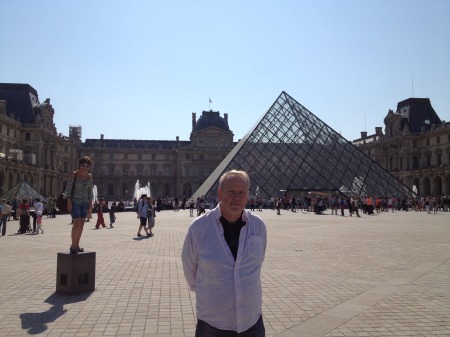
x=324 y=275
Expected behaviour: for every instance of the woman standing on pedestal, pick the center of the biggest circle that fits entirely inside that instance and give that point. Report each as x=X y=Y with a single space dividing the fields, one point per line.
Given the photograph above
x=79 y=200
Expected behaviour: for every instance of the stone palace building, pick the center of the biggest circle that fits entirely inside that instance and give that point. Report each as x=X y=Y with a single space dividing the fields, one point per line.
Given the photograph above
x=31 y=149
x=415 y=148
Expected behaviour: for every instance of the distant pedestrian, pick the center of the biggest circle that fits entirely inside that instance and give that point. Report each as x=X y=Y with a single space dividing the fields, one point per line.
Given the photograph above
x=38 y=211
x=142 y=212
x=191 y=207
x=151 y=216
x=6 y=212
x=101 y=206
x=112 y=214
x=24 y=213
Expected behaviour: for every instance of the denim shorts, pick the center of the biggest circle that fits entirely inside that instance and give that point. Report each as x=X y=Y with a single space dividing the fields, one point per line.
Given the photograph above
x=79 y=210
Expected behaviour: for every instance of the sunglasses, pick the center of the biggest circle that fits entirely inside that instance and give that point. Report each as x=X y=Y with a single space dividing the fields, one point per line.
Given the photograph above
x=85 y=165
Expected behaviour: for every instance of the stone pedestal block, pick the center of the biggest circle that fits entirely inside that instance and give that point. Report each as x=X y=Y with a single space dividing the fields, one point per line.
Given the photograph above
x=75 y=273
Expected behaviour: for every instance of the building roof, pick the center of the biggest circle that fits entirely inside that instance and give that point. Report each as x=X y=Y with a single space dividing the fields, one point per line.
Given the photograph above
x=211 y=118
x=20 y=100
x=419 y=114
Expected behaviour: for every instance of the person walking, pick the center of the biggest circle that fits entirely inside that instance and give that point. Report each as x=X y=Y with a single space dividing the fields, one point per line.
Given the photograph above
x=112 y=214
x=79 y=195
x=101 y=206
x=6 y=212
x=38 y=211
x=222 y=258
x=191 y=207
x=24 y=214
x=151 y=216
x=142 y=213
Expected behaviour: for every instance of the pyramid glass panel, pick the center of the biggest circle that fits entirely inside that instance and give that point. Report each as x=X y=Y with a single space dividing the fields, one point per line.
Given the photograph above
x=290 y=149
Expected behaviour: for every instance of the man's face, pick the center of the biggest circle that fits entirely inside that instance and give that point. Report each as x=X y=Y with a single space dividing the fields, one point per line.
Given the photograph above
x=233 y=196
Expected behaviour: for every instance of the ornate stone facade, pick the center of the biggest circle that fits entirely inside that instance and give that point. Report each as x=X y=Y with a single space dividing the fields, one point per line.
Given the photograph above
x=415 y=146
x=32 y=150
x=173 y=168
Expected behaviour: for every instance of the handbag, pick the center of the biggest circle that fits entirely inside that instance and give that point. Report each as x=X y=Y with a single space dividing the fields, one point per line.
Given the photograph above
x=61 y=203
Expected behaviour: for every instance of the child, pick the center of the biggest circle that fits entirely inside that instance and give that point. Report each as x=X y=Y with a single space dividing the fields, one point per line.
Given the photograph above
x=38 y=209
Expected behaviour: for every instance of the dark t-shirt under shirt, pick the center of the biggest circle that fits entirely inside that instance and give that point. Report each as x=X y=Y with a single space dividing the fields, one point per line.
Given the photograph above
x=231 y=233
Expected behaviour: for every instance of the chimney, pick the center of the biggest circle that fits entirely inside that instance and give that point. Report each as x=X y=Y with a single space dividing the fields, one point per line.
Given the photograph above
x=102 y=136
x=194 y=121
x=378 y=130
x=363 y=134
x=178 y=139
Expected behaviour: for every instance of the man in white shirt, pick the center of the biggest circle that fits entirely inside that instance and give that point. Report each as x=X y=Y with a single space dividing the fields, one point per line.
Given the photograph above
x=222 y=257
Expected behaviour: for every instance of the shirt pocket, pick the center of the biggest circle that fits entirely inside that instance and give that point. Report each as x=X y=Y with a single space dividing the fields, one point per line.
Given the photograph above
x=254 y=246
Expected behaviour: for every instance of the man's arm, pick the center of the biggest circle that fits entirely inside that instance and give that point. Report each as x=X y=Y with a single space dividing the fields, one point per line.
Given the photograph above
x=189 y=257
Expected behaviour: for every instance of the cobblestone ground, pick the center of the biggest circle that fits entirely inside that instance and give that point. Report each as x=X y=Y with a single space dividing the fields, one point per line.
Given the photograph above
x=324 y=275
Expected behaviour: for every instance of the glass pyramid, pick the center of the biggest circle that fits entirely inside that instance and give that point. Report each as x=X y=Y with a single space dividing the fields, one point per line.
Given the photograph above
x=291 y=150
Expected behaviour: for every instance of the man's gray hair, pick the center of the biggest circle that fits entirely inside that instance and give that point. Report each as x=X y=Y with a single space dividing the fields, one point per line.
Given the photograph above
x=234 y=173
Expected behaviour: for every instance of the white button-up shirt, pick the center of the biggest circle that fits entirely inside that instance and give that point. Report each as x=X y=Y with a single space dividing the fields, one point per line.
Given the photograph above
x=228 y=292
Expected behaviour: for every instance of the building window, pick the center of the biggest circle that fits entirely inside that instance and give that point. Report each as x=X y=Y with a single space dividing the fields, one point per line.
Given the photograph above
x=110 y=189
x=125 y=172
x=187 y=155
x=27 y=136
x=153 y=156
x=110 y=171
x=166 y=171
x=153 y=172
x=167 y=157
x=415 y=162
x=125 y=156
x=139 y=172
x=428 y=141
x=7 y=131
x=414 y=143
x=438 y=139
x=111 y=156
x=139 y=156
x=429 y=160
x=439 y=159
x=187 y=171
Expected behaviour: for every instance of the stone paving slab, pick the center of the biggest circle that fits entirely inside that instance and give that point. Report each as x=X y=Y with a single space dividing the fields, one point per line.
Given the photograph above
x=324 y=275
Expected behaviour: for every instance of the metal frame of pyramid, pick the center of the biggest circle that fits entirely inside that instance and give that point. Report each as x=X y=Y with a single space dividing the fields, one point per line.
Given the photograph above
x=23 y=190
x=291 y=149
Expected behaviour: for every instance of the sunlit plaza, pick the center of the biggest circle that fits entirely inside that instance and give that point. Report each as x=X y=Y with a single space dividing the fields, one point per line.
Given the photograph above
x=323 y=275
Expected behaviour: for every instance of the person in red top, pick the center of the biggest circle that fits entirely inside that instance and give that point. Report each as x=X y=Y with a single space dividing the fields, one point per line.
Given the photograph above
x=24 y=216
x=100 y=218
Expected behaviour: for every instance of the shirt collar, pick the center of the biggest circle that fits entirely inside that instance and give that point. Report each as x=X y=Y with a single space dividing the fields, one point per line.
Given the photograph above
x=218 y=214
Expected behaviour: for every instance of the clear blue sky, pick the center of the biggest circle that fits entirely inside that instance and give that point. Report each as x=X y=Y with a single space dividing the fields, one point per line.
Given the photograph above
x=137 y=69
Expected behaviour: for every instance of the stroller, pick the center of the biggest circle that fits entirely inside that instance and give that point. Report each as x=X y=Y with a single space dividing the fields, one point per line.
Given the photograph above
x=24 y=224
